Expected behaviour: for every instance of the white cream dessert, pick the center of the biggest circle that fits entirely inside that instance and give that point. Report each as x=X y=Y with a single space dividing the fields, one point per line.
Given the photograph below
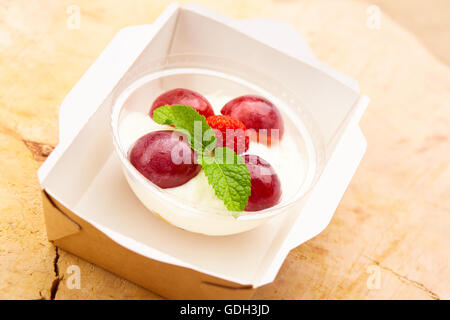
x=285 y=158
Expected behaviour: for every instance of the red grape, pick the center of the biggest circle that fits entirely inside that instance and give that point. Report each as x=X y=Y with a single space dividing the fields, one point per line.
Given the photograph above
x=257 y=114
x=183 y=97
x=165 y=158
x=266 y=187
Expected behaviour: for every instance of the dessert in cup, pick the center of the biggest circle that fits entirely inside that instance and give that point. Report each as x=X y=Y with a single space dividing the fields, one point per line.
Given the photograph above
x=212 y=157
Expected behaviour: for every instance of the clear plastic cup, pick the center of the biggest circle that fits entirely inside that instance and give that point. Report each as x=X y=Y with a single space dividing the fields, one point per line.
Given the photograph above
x=209 y=75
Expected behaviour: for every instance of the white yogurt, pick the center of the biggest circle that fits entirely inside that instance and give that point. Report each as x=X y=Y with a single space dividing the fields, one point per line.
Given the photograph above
x=285 y=158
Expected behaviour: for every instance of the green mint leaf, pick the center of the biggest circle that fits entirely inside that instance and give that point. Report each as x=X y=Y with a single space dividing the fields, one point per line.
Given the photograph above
x=227 y=172
x=191 y=123
x=229 y=176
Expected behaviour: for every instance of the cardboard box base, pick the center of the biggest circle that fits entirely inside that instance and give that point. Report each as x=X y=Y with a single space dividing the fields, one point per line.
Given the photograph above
x=89 y=228
x=75 y=235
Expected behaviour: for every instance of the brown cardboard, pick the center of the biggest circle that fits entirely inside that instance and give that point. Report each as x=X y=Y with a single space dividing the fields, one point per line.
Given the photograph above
x=69 y=232
x=58 y=225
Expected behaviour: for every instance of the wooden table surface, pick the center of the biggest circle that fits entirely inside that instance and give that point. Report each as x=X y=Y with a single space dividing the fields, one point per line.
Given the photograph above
x=390 y=236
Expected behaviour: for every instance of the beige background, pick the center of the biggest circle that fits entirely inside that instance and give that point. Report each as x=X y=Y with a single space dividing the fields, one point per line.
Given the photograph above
x=394 y=216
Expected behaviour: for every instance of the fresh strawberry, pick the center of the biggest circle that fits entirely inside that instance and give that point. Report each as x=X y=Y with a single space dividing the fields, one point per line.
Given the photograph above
x=230 y=130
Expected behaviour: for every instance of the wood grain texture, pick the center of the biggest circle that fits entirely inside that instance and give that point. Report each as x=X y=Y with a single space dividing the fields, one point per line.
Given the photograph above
x=394 y=216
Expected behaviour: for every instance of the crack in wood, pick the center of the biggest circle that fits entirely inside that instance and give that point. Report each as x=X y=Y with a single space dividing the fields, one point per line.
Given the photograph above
x=55 y=284
x=55 y=262
x=39 y=150
x=405 y=279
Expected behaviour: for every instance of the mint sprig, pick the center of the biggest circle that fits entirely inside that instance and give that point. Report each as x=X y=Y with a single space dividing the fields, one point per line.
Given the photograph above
x=228 y=174
x=188 y=121
x=226 y=171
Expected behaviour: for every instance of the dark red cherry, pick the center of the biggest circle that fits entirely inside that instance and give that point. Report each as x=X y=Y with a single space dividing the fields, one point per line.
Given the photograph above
x=183 y=97
x=266 y=187
x=256 y=113
x=165 y=158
